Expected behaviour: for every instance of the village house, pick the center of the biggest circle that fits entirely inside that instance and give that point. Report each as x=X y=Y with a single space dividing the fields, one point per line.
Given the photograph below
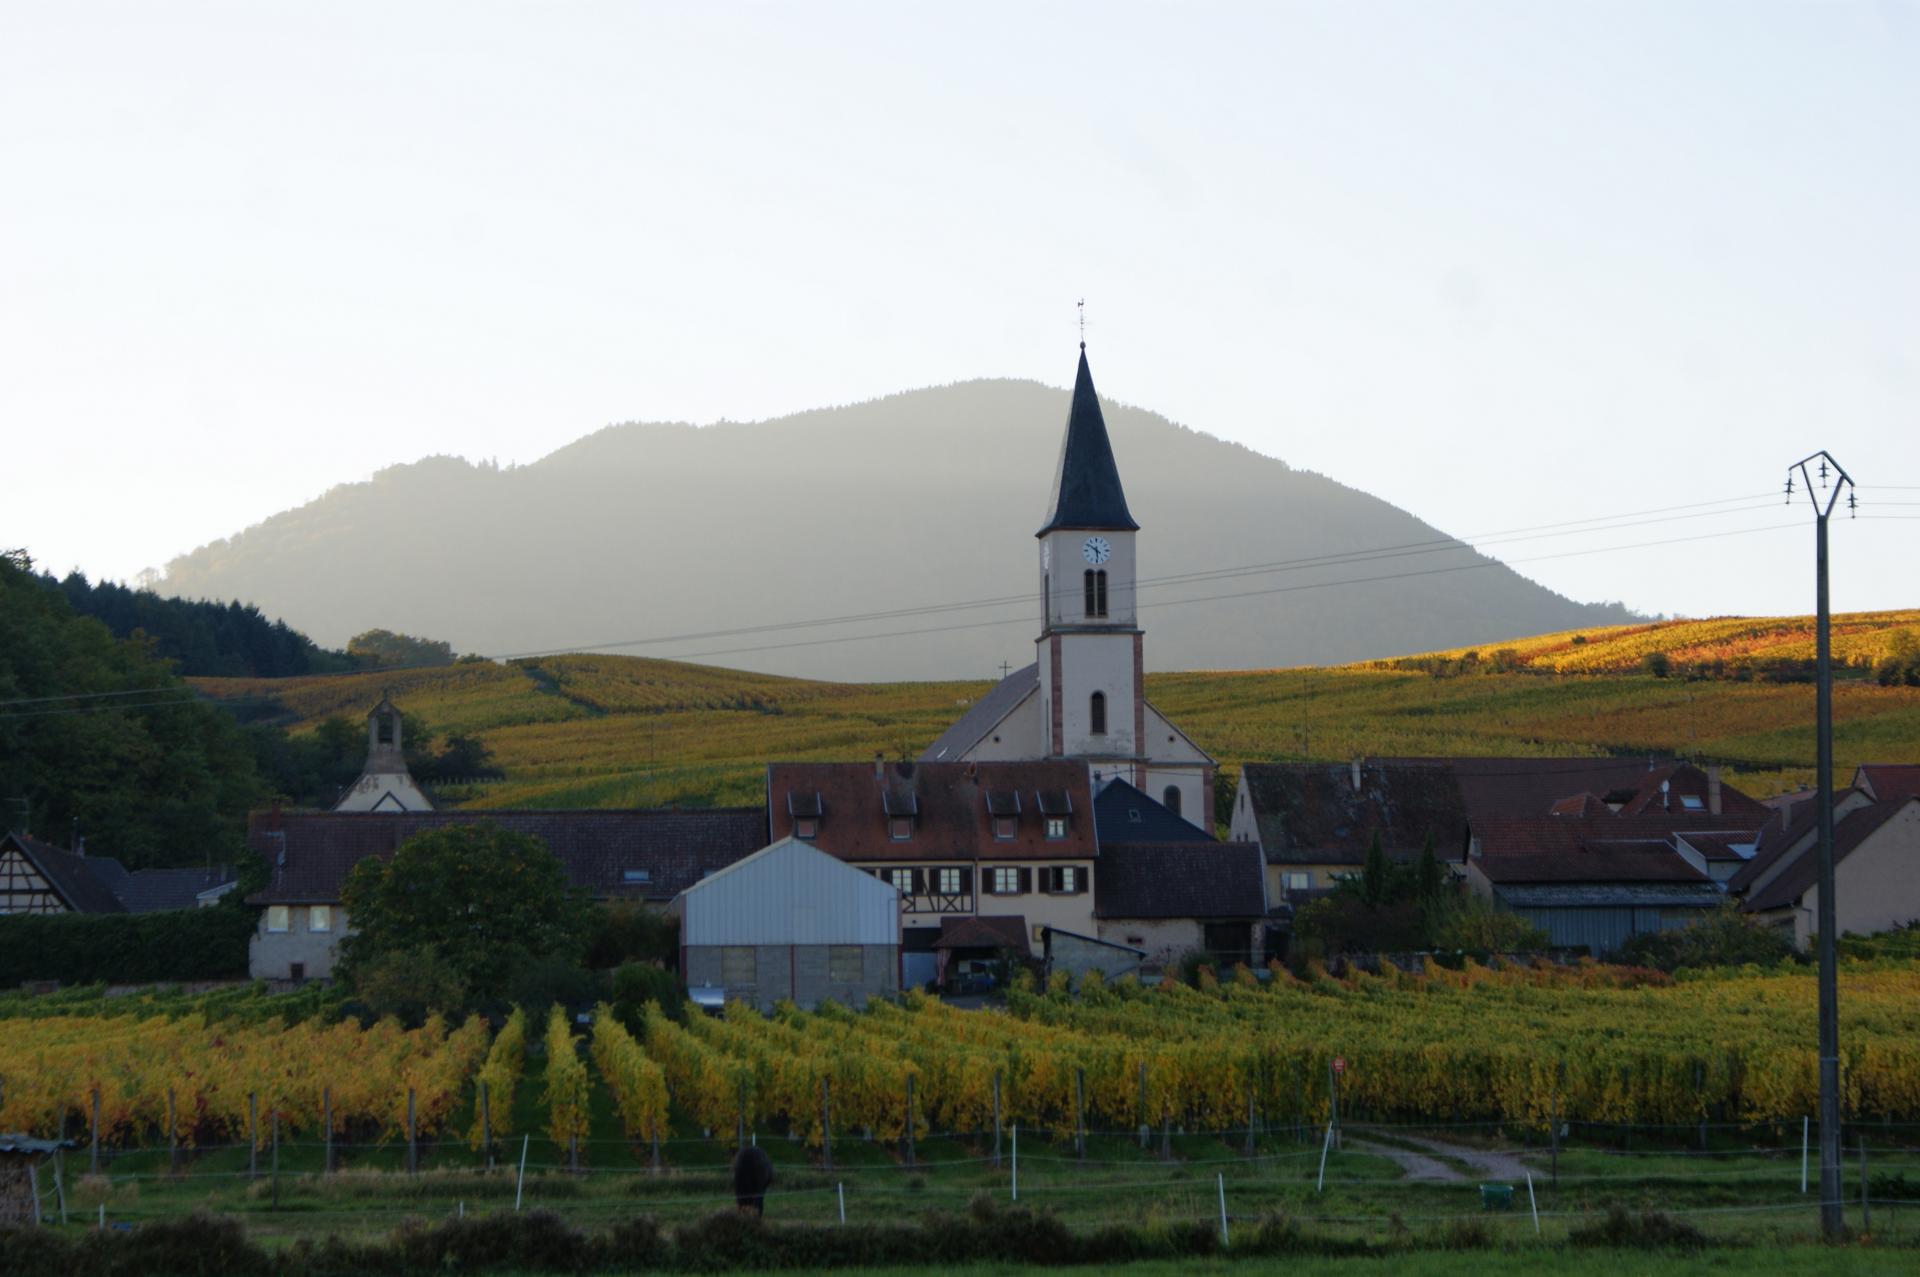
x=983 y=855
x=613 y=854
x=37 y=877
x=1876 y=854
x=1589 y=850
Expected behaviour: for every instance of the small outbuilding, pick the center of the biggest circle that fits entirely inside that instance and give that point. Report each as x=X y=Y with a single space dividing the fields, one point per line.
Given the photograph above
x=791 y=922
x=21 y=1189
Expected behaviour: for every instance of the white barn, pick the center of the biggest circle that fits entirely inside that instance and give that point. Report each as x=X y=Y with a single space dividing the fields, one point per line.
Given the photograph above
x=791 y=922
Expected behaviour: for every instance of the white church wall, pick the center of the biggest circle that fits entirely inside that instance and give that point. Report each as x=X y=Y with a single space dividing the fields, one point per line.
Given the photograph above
x=1063 y=577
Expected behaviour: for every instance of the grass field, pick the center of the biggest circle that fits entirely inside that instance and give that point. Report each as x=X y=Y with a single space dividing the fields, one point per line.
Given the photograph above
x=613 y=731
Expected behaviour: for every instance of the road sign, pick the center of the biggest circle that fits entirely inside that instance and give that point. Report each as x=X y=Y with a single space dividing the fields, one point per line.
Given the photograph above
x=1339 y=1064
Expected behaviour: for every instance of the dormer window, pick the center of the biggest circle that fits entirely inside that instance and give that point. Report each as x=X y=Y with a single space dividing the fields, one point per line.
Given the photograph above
x=901 y=810
x=1692 y=802
x=637 y=877
x=1003 y=809
x=1056 y=807
x=806 y=810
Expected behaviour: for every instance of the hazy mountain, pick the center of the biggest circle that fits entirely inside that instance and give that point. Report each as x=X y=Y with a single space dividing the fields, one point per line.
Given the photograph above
x=917 y=500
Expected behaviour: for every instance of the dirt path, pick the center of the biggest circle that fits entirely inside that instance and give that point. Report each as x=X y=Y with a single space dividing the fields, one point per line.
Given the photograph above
x=1486 y=1165
x=1418 y=1166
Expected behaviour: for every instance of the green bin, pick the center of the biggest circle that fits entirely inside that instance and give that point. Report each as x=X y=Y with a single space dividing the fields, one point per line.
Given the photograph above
x=1496 y=1197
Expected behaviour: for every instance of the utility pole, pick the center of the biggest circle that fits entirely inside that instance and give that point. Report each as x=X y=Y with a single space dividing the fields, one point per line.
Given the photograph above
x=1824 y=498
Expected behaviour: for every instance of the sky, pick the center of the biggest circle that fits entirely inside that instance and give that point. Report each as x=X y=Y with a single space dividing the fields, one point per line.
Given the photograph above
x=1505 y=265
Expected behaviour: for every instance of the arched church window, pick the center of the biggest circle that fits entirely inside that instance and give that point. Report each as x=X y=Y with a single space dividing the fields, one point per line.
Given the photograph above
x=1170 y=799
x=1097 y=713
x=1096 y=591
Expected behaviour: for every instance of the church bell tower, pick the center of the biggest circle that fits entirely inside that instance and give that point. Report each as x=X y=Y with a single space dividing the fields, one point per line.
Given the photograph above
x=1089 y=649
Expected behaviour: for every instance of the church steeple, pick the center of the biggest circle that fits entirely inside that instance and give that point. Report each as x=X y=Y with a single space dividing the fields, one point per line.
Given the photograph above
x=1086 y=488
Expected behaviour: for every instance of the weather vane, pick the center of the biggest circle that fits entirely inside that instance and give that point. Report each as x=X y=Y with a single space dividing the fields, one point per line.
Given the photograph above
x=1083 y=323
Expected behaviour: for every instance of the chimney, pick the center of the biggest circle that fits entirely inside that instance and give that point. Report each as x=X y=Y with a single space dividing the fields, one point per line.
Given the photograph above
x=1356 y=775
x=1713 y=788
x=879 y=765
x=1666 y=799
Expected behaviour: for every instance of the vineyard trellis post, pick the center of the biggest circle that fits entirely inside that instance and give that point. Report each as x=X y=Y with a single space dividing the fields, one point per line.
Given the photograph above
x=1553 y=1134
x=326 y=1122
x=1699 y=1090
x=1832 y=1215
x=740 y=1123
x=173 y=1137
x=1866 y=1200
x=996 y=1120
x=826 y=1123
x=1146 y=1124
x=910 y=1147
x=1079 y=1112
x=413 y=1146
x=93 y=1157
x=1246 y=1145
x=253 y=1135
x=274 y=1118
x=486 y=1125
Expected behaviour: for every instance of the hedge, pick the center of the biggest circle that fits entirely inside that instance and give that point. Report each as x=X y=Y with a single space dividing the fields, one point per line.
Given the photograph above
x=127 y=948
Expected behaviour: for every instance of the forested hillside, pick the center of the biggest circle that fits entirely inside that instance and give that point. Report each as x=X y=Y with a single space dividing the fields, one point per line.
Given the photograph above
x=201 y=636
x=99 y=737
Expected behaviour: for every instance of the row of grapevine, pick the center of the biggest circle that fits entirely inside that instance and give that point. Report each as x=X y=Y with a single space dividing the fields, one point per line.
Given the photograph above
x=52 y=1069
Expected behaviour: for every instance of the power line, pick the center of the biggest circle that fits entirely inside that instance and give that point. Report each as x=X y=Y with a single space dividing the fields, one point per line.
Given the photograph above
x=1344 y=558
x=1239 y=594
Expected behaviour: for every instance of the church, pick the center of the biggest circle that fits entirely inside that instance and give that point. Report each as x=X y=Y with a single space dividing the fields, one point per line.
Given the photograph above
x=1084 y=697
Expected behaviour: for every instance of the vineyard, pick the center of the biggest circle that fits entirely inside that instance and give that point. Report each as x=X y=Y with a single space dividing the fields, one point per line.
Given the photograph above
x=611 y=731
x=1109 y=1104
x=1512 y=1044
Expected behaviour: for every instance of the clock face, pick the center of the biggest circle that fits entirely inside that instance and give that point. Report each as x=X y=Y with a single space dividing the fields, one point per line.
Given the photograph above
x=1096 y=550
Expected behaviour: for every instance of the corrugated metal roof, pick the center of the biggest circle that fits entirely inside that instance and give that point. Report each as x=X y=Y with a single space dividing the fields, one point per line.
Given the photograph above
x=1625 y=895
x=789 y=893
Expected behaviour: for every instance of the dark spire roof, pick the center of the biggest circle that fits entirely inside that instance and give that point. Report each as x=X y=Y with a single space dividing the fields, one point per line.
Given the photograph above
x=1086 y=487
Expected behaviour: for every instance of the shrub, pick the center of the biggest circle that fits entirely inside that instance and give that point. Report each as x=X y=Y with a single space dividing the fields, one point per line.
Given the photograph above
x=637 y=983
x=624 y=932
x=128 y=948
x=1725 y=937
x=410 y=984
x=1654 y=1230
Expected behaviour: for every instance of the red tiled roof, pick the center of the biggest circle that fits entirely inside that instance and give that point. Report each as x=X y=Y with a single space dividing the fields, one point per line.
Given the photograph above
x=953 y=823
x=311 y=853
x=1580 y=805
x=1597 y=861
x=985 y=932
x=1310 y=813
x=1890 y=781
x=1549 y=834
